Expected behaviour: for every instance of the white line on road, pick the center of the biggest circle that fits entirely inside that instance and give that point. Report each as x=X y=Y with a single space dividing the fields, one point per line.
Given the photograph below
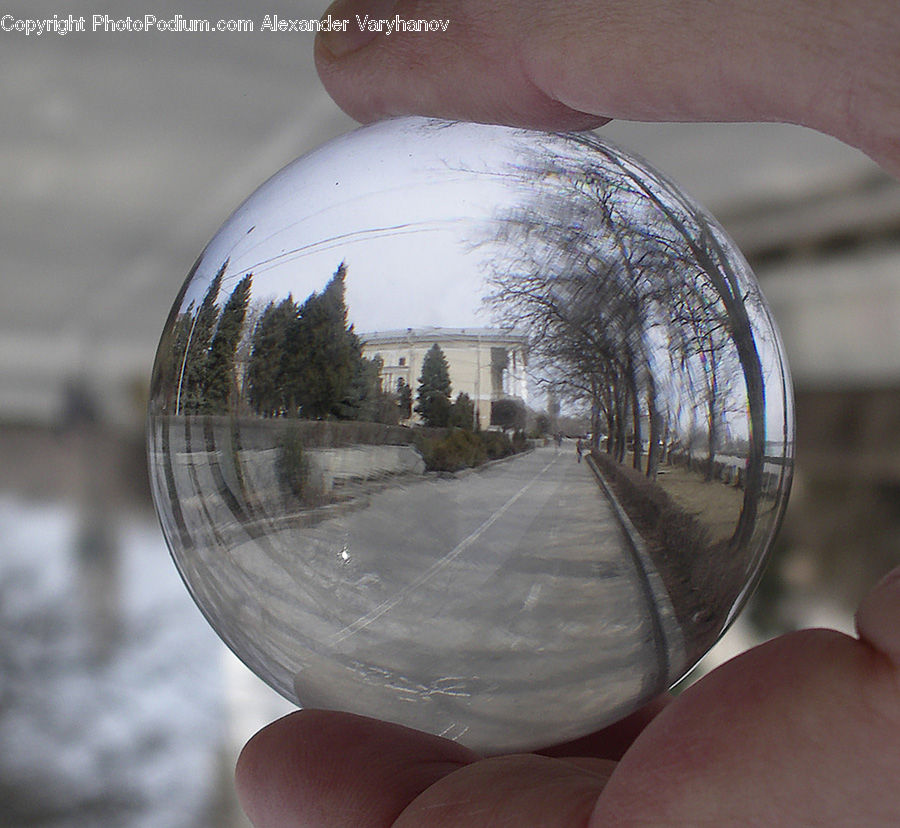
x=437 y=566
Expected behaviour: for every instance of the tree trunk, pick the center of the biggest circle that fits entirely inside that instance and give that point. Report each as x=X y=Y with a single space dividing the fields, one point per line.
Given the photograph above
x=634 y=399
x=654 y=453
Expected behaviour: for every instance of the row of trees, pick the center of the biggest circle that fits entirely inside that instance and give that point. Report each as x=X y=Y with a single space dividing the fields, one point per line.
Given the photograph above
x=633 y=304
x=301 y=359
x=199 y=357
x=306 y=360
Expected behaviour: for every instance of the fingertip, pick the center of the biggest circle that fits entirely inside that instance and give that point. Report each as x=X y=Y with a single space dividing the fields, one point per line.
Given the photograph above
x=878 y=617
x=472 y=71
x=521 y=789
x=339 y=36
x=339 y=769
x=614 y=740
x=258 y=772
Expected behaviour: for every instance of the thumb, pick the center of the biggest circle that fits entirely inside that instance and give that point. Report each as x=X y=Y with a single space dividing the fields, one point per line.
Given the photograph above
x=803 y=729
x=573 y=65
x=472 y=66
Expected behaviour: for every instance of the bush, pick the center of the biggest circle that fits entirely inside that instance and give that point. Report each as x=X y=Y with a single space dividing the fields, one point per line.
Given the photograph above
x=508 y=413
x=459 y=449
x=519 y=441
x=679 y=535
x=291 y=464
x=496 y=444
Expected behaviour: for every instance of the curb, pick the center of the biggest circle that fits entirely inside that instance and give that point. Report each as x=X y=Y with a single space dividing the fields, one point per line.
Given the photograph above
x=667 y=632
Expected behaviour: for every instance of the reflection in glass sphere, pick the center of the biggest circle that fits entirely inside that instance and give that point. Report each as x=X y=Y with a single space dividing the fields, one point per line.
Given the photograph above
x=475 y=429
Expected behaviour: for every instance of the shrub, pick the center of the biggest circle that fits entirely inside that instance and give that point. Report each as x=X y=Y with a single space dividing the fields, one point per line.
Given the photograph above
x=459 y=449
x=508 y=413
x=291 y=464
x=519 y=441
x=659 y=519
x=496 y=444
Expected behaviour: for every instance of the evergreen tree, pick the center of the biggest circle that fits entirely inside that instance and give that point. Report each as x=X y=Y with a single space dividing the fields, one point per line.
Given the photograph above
x=404 y=399
x=365 y=399
x=307 y=361
x=323 y=352
x=193 y=378
x=462 y=412
x=170 y=356
x=180 y=333
x=266 y=368
x=360 y=397
x=433 y=397
x=220 y=362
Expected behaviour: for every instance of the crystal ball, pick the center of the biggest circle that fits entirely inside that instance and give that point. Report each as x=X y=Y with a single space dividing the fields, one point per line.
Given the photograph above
x=479 y=430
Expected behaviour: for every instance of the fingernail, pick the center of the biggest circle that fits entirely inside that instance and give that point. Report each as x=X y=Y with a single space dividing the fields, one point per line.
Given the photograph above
x=358 y=21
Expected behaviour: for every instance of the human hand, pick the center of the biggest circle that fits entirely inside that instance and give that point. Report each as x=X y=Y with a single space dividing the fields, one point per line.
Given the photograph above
x=831 y=66
x=804 y=729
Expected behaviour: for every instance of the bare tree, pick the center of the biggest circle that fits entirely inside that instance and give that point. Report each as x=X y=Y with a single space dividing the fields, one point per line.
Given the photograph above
x=611 y=271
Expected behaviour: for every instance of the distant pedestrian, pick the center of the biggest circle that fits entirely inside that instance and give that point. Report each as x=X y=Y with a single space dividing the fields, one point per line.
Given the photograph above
x=579 y=448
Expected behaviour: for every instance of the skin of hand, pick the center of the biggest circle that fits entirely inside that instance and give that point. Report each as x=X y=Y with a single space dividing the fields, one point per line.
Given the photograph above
x=804 y=729
x=826 y=64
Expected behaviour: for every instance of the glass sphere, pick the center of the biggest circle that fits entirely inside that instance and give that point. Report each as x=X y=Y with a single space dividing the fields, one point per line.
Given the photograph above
x=475 y=429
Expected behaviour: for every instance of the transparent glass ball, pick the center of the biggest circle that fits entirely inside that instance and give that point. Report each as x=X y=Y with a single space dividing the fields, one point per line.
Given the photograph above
x=479 y=430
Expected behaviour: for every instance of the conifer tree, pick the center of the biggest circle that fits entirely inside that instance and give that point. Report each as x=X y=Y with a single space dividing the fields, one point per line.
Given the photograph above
x=170 y=357
x=462 y=412
x=193 y=376
x=433 y=396
x=220 y=363
x=404 y=399
x=365 y=400
x=266 y=379
x=322 y=352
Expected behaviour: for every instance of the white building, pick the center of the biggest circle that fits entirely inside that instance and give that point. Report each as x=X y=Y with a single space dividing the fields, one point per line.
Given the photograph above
x=488 y=364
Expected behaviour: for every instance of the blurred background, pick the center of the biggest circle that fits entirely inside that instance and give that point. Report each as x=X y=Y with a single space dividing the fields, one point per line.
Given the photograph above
x=120 y=155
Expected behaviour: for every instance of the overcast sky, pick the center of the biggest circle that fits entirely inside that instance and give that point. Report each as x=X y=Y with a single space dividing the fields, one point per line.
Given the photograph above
x=121 y=154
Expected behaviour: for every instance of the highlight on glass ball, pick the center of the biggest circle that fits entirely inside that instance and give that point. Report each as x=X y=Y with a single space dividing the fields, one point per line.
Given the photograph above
x=479 y=430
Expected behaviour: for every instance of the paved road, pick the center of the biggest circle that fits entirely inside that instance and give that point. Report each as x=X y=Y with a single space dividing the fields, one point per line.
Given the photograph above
x=491 y=600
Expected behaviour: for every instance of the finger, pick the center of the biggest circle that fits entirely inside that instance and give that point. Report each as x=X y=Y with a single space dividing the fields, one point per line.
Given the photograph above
x=319 y=768
x=509 y=792
x=613 y=741
x=569 y=65
x=801 y=730
x=878 y=618
x=470 y=72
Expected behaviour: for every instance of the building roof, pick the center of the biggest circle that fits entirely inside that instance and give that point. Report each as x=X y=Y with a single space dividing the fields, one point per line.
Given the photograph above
x=433 y=333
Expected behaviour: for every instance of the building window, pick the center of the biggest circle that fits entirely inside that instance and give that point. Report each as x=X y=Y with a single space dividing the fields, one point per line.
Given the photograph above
x=402 y=361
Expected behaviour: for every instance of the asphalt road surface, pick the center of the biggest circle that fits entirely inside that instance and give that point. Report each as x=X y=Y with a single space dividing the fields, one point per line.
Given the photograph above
x=499 y=605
